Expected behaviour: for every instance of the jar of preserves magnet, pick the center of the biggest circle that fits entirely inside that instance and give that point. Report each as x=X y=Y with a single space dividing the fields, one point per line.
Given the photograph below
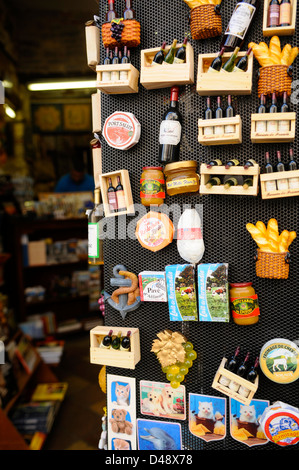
x=152 y=186
x=244 y=303
x=181 y=177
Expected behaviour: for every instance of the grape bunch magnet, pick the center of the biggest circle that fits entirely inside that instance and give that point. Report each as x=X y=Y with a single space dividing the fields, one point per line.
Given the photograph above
x=175 y=354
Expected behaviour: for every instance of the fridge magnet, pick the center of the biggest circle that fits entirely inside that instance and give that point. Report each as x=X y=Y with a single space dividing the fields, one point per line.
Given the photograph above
x=126 y=298
x=244 y=422
x=158 y=435
x=175 y=354
x=213 y=292
x=121 y=412
x=181 y=292
x=160 y=399
x=152 y=286
x=207 y=417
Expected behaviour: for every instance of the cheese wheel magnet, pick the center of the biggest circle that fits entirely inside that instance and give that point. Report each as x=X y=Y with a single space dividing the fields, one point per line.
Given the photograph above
x=121 y=130
x=279 y=360
x=154 y=231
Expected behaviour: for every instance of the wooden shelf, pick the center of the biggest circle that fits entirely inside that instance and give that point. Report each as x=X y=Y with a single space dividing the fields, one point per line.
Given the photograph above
x=252 y=387
x=279 y=30
x=273 y=137
x=279 y=192
x=220 y=139
x=165 y=76
x=118 y=87
x=206 y=173
x=223 y=83
x=112 y=357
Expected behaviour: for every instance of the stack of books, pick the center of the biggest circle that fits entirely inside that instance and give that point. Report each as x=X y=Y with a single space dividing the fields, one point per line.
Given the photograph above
x=50 y=350
x=33 y=417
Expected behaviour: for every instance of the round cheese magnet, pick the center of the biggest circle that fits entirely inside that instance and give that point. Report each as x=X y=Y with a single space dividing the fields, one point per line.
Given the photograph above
x=122 y=130
x=280 y=424
x=279 y=360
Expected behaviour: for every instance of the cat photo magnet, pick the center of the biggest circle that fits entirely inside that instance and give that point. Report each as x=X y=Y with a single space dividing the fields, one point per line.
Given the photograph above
x=121 y=412
x=244 y=422
x=158 y=435
x=161 y=400
x=207 y=417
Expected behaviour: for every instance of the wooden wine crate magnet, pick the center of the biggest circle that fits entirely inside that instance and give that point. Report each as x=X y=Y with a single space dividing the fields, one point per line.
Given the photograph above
x=220 y=83
x=289 y=176
x=127 y=193
x=263 y=135
x=230 y=376
x=208 y=131
x=112 y=357
x=165 y=76
x=126 y=82
x=92 y=38
x=207 y=173
x=279 y=30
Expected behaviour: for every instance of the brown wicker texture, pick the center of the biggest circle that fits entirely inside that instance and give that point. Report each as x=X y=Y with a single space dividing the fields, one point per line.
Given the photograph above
x=130 y=35
x=205 y=22
x=272 y=265
x=274 y=79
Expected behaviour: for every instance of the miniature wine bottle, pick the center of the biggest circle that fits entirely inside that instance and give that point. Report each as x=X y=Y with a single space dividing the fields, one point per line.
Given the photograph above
x=284 y=125
x=229 y=112
x=215 y=181
x=242 y=64
x=212 y=163
x=216 y=63
x=208 y=114
x=241 y=371
x=112 y=200
x=180 y=56
x=232 y=162
x=126 y=342
x=169 y=58
x=272 y=124
x=270 y=185
x=251 y=376
x=293 y=182
x=282 y=184
x=231 y=365
x=107 y=341
x=261 y=125
x=159 y=57
x=230 y=63
x=116 y=341
x=219 y=129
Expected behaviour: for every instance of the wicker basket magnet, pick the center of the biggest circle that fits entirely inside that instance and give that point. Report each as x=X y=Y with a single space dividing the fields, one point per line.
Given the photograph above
x=205 y=22
x=274 y=79
x=272 y=265
x=130 y=35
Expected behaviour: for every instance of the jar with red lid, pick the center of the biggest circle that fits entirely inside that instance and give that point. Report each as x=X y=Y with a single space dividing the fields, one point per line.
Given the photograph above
x=152 y=186
x=244 y=303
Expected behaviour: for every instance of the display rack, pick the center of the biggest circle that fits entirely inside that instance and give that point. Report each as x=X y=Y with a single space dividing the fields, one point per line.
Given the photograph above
x=224 y=220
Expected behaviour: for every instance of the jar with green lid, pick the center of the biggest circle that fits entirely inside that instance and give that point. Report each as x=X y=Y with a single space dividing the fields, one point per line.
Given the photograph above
x=181 y=177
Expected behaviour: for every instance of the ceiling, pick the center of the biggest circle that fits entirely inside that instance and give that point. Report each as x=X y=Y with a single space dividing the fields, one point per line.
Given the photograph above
x=50 y=37
x=61 y=5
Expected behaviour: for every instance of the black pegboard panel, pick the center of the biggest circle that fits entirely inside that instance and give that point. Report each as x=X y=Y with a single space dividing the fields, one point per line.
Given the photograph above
x=224 y=221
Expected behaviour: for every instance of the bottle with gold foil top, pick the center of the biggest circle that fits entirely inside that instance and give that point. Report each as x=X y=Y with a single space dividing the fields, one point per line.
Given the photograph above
x=95 y=235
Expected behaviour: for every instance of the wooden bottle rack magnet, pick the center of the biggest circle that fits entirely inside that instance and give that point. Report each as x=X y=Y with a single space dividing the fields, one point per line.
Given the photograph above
x=279 y=136
x=125 y=181
x=165 y=76
x=118 y=87
x=278 y=192
x=112 y=357
x=96 y=112
x=220 y=83
x=92 y=39
x=279 y=30
x=206 y=174
x=252 y=387
x=220 y=139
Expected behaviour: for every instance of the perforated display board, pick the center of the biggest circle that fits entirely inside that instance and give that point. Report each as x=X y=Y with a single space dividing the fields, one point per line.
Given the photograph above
x=224 y=220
